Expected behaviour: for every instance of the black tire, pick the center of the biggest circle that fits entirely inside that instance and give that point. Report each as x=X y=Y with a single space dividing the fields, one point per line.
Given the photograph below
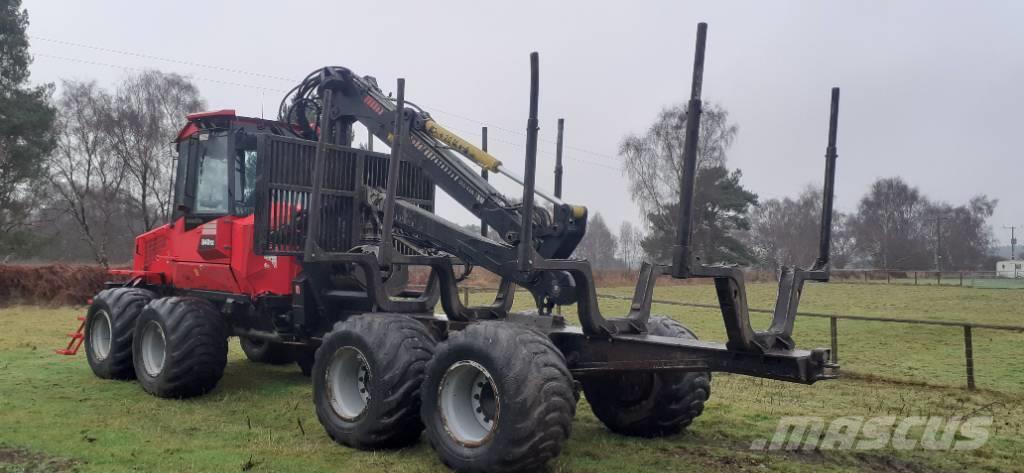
x=650 y=404
x=261 y=351
x=391 y=352
x=120 y=307
x=195 y=347
x=529 y=404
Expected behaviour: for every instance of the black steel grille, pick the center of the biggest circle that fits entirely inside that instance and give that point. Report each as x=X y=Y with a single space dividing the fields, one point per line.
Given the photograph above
x=285 y=186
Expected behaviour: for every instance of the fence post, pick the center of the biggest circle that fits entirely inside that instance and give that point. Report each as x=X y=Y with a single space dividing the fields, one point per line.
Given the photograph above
x=969 y=356
x=465 y=295
x=915 y=278
x=865 y=275
x=938 y=278
x=887 y=277
x=833 y=329
x=961 y=279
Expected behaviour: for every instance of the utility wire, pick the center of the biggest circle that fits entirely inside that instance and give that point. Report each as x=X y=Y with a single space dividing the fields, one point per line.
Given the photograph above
x=251 y=86
x=285 y=79
x=164 y=59
x=128 y=68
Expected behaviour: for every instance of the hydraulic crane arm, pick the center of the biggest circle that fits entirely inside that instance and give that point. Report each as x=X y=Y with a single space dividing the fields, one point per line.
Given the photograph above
x=556 y=230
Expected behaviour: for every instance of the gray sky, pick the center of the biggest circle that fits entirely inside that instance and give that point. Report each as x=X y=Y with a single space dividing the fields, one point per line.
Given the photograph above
x=932 y=91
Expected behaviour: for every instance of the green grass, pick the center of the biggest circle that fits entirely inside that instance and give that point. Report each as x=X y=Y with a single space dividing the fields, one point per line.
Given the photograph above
x=260 y=418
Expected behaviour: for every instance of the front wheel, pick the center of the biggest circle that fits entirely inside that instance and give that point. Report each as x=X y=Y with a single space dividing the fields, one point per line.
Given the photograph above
x=649 y=404
x=366 y=380
x=180 y=347
x=109 y=328
x=497 y=398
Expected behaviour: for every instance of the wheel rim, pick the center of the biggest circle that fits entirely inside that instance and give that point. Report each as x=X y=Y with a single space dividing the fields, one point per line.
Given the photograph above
x=100 y=334
x=347 y=381
x=468 y=400
x=154 y=348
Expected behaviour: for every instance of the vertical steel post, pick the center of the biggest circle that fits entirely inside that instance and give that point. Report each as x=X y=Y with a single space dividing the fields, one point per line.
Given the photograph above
x=825 y=239
x=558 y=159
x=915 y=278
x=530 y=176
x=465 y=296
x=387 y=246
x=312 y=246
x=681 y=257
x=483 y=174
x=834 y=332
x=369 y=139
x=969 y=356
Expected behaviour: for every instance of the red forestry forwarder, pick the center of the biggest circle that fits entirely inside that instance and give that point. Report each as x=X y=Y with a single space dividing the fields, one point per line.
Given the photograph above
x=299 y=244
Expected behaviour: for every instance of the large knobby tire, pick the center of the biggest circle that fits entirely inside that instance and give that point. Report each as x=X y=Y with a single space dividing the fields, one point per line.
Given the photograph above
x=180 y=347
x=262 y=351
x=650 y=404
x=109 y=327
x=497 y=398
x=366 y=380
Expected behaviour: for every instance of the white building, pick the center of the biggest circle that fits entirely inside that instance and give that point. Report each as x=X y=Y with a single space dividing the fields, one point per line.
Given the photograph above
x=1010 y=269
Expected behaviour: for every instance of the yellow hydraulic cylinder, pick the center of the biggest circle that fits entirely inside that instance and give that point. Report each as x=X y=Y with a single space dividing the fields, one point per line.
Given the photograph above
x=479 y=156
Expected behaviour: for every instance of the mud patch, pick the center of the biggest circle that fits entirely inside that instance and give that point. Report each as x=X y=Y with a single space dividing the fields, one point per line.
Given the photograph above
x=20 y=460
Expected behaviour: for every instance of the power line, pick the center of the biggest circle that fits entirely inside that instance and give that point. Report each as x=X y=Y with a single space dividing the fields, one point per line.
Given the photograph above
x=164 y=59
x=285 y=79
x=128 y=68
x=251 y=86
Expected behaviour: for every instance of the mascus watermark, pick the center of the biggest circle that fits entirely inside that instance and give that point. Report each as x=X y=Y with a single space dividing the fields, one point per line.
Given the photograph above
x=873 y=433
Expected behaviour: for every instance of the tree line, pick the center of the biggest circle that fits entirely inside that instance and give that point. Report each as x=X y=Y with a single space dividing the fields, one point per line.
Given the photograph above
x=894 y=226
x=83 y=172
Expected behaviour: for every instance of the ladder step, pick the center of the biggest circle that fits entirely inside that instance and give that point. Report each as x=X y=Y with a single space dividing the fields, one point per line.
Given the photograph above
x=76 y=335
x=81 y=318
x=64 y=351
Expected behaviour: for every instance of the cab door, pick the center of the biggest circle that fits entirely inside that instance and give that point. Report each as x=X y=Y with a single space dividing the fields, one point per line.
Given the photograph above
x=202 y=242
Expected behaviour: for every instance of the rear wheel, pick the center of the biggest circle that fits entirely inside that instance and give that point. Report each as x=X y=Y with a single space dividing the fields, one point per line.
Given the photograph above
x=261 y=351
x=180 y=347
x=366 y=380
x=650 y=404
x=109 y=327
x=497 y=398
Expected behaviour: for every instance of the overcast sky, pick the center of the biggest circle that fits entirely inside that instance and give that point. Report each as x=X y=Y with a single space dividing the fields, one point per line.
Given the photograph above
x=931 y=91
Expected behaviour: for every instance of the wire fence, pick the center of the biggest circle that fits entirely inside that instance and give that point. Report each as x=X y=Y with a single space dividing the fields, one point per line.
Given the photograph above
x=978 y=279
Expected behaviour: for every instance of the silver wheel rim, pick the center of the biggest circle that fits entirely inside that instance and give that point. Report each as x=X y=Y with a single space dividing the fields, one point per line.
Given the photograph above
x=154 y=349
x=100 y=334
x=347 y=380
x=468 y=400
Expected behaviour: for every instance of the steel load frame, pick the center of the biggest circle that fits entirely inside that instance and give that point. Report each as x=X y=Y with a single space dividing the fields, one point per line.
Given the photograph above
x=599 y=344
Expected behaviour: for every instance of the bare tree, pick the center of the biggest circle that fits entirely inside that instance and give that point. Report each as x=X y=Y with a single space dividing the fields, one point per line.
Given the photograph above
x=654 y=166
x=630 y=250
x=889 y=227
x=654 y=160
x=598 y=245
x=82 y=172
x=147 y=112
x=960 y=237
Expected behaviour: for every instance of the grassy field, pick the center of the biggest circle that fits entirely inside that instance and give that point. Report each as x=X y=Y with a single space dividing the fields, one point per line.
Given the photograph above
x=55 y=416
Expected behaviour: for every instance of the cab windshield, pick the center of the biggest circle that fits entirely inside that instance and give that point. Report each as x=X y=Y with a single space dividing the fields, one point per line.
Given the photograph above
x=212 y=179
